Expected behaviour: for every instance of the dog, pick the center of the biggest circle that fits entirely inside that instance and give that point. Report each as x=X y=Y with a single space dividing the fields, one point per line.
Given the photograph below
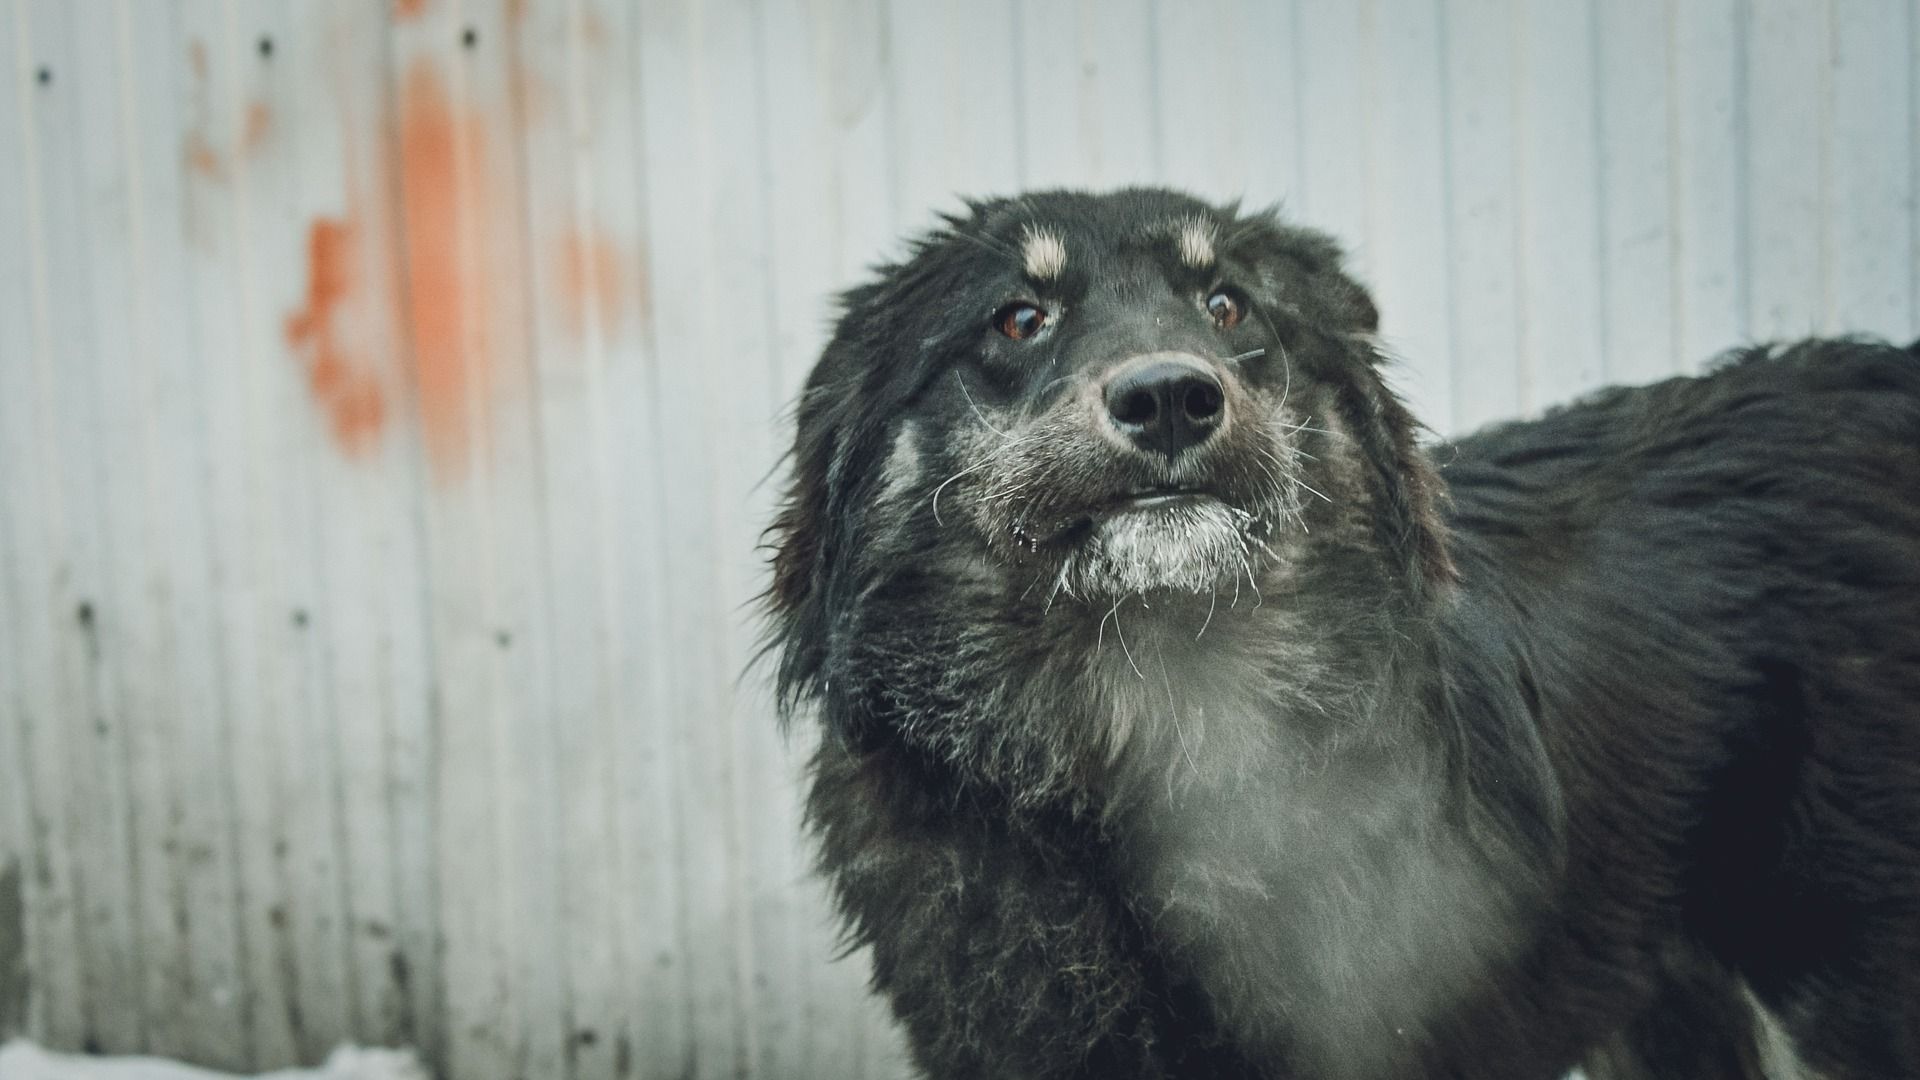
x=1184 y=714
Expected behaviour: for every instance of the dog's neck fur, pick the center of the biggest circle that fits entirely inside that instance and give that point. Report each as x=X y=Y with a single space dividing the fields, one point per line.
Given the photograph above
x=1284 y=805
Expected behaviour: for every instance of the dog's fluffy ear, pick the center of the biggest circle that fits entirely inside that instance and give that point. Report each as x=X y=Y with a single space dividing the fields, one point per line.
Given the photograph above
x=1410 y=524
x=813 y=535
x=1332 y=294
x=796 y=598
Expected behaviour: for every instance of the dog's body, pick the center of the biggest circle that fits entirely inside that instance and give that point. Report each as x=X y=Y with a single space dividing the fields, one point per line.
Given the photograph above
x=1178 y=724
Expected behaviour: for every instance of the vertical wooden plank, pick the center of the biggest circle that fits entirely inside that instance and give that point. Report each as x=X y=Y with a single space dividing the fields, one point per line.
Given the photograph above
x=662 y=1038
x=366 y=625
x=1789 y=95
x=1560 y=272
x=244 y=764
x=1870 y=210
x=1483 y=241
x=1337 y=116
x=1202 y=130
x=462 y=230
x=74 y=172
x=584 y=269
x=193 y=983
x=957 y=112
x=1271 y=46
x=1639 y=245
x=851 y=39
x=277 y=60
x=1708 y=139
x=698 y=61
x=1408 y=201
x=59 y=953
x=1088 y=92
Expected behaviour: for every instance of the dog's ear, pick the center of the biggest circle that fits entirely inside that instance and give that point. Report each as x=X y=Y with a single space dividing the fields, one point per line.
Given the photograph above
x=1331 y=290
x=1323 y=288
x=1334 y=302
x=837 y=422
x=797 y=598
x=1410 y=524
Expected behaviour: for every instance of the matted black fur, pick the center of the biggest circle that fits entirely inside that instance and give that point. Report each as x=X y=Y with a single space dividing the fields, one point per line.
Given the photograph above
x=1302 y=749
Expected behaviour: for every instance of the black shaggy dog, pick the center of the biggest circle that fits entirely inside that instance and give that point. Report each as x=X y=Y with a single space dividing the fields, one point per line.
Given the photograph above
x=1184 y=716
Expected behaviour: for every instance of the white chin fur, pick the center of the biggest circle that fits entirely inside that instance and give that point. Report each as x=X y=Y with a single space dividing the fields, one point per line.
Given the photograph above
x=1190 y=547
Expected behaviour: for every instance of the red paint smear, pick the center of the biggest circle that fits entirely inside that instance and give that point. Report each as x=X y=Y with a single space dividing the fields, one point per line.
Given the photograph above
x=409 y=9
x=442 y=190
x=349 y=395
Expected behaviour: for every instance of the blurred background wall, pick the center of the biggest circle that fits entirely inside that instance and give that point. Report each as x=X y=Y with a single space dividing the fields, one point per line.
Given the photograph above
x=388 y=391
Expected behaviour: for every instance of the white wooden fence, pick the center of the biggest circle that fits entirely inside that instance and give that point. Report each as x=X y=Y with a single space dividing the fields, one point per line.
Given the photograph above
x=386 y=390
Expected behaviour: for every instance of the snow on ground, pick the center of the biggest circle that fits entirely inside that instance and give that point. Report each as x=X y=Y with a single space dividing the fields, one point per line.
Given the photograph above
x=22 y=1060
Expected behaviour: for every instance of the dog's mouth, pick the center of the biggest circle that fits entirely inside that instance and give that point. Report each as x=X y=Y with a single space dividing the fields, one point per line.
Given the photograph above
x=1135 y=503
x=1153 y=498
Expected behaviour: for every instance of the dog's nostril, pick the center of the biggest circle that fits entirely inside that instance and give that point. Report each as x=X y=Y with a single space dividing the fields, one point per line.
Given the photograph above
x=1202 y=402
x=1138 y=407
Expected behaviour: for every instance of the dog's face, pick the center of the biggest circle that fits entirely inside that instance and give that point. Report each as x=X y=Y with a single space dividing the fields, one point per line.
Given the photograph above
x=1096 y=397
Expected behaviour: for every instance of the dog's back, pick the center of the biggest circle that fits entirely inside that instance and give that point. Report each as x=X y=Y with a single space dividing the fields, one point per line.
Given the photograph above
x=1719 y=585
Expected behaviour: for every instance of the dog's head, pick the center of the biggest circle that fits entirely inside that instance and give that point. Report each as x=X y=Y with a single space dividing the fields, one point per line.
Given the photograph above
x=1096 y=397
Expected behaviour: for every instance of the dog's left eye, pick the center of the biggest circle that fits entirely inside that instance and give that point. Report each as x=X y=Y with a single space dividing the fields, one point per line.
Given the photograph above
x=1020 y=321
x=1227 y=307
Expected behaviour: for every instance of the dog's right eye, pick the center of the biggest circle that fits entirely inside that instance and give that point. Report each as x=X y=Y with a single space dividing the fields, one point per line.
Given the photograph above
x=1020 y=321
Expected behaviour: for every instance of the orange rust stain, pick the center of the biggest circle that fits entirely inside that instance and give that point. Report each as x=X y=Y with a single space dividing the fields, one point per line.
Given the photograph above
x=203 y=159
x=409 y=268
x=409 y=9
x=259 y=123
x=206 y=160
x=349 y=394
x=445 y=204
x=594 y=284
x=516 y=10
x=197 y=56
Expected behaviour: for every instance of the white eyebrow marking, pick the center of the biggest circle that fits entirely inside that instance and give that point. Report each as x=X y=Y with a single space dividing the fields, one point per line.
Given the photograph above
x=1044 y=253
x=1194 y=235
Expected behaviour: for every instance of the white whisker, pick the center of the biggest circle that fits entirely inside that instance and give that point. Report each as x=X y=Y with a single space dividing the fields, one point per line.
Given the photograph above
x=1213 y=602
x=1173 y=713
x=975 y=407
x=1121 y=634
x=1311 y=488
x=943 y=486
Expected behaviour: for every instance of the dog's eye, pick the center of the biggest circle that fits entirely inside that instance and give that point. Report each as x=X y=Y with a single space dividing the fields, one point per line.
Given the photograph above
x=1228 y=307
x=1020 y=320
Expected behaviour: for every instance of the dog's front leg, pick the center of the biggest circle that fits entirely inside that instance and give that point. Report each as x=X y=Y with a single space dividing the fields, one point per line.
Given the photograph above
x=1000 y=950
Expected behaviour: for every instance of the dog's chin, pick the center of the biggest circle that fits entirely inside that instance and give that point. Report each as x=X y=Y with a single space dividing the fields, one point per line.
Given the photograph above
x=1186 y=544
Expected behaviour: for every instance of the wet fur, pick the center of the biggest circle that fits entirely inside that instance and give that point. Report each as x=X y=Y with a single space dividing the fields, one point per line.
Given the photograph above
x=1596 y=740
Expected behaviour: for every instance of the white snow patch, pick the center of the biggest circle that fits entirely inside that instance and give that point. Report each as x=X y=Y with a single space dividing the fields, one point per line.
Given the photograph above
x=22 y=1060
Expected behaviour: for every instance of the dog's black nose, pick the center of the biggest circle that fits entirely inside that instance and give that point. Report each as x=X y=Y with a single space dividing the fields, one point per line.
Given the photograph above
x=1166 y=405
